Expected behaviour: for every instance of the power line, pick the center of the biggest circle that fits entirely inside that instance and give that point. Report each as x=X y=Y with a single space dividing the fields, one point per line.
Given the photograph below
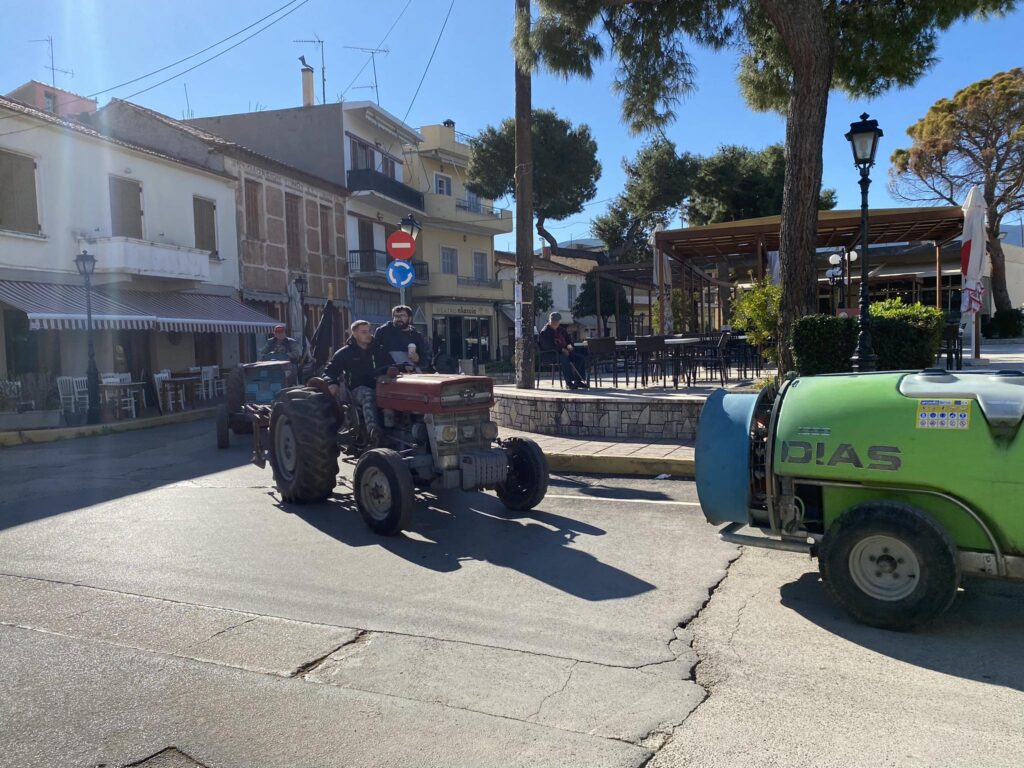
x=429 y=61
x=379 y=45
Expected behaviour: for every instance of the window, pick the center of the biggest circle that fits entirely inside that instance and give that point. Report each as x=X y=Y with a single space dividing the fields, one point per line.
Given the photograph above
x=18 y=193
x=365 y=235
x=326 y=238
x=293 y=229
x=362 y=154
x=480 y=265
x=449 y=261
x=473 y=202
x=253 y=195
x=387 y=166
x=204 y=216
x=443 y=184
x=125 y=208
x=572 y=295
x=50 y=102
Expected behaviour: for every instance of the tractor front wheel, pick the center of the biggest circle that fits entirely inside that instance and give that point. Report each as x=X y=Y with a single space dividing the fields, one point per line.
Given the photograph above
x=889 y=565
x=234 y=399
x=527 y=479
x=303 y=446
x=384 y=491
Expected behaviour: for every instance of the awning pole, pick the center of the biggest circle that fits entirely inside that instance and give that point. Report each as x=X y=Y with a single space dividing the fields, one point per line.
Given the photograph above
x=597 y=304
x=938 y=275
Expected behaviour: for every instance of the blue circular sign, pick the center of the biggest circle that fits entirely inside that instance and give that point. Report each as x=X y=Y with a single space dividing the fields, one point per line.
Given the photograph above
x=401 y=274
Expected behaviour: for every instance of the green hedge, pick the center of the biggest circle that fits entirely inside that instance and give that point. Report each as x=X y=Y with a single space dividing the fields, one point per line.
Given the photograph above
x=903 y=336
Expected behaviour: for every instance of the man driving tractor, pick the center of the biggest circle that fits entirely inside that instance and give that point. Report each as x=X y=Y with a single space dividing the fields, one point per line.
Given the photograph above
x=356 y=367
x=280 y=346
x=399 y=336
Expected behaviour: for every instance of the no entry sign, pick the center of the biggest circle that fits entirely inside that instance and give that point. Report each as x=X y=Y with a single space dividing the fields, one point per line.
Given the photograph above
x=401 y=245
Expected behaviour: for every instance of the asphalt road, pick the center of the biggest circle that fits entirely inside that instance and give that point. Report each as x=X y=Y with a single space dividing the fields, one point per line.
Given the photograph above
x=155 y=593
x=155 y=597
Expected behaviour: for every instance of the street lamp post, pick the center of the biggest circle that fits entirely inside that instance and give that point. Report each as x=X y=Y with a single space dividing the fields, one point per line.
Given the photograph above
x=863 y=137
x=85 y=263
x=412 y=228
x=301 y=284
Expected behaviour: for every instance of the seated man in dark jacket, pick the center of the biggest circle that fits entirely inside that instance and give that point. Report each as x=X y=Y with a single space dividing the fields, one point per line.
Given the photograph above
x=357 y=365
x=555 y=339
x=400 y=336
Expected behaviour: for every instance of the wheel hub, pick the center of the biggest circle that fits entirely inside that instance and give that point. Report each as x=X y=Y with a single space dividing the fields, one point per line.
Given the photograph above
x=376 y=493
x=884 y=568
x=285 y=447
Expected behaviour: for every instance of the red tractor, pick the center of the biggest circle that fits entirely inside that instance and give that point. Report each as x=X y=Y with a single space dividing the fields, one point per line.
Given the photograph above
x=438 y=436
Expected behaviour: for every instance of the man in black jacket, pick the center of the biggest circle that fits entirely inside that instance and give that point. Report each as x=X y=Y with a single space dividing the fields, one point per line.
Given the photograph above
x=400 y=336
x=357 y=365
x=555 y=339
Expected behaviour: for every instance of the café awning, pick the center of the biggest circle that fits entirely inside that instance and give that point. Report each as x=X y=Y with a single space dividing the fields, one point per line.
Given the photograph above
x=54 y=306
x=195 y=312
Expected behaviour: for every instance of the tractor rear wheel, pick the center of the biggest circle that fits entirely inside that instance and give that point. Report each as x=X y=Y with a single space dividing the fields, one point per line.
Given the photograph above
x=889 y=565
x=527 y=479
x=384 y=491
x=234 y=399
x=303 y=445
x=223 y=433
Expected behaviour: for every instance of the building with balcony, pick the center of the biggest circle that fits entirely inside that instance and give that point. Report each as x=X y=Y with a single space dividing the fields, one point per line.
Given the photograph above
x=460 y=303
x=162 y=231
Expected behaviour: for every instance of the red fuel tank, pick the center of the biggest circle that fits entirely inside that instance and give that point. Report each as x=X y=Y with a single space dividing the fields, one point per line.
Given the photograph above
x=435 y=393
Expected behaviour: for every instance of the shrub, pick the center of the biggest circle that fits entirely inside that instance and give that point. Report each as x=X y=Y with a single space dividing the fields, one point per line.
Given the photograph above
x=499 y=366
x=1007 y=324
x=903 y=336
x=756 y=313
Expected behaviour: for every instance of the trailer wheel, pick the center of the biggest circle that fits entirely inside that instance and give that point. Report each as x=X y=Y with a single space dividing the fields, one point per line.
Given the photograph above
x=527 y=479
x=384 y=491
x=889 y=565
x=234 y=399
x=303 y=446
x=223 y=434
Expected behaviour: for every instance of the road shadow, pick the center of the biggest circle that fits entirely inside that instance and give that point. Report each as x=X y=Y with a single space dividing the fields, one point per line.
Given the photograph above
x=978 y=638
x=49 y=479
x=454 y=528
x=608 y=492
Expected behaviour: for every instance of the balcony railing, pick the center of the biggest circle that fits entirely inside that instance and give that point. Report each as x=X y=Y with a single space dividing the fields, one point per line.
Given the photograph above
x=480 y=282
x=367 y=262
x=476 y=206
x=422 y=271
x=369 y=180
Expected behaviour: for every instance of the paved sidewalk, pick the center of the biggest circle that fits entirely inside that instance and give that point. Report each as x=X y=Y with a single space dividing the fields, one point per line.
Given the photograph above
x=634 y=457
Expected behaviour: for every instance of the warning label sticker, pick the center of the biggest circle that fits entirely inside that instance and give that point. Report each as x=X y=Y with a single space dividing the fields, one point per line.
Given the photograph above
x=943 y=414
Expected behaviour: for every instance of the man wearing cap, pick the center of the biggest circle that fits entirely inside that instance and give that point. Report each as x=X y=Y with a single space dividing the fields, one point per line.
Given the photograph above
x=554 y=338
x=281 y=347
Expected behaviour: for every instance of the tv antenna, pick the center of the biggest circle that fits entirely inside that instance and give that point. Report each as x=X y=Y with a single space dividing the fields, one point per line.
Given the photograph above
x=373 y=60
x=323 y=69
x=53 y=70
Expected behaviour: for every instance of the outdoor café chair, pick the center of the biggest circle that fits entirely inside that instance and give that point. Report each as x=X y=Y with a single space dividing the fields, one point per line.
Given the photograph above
x=952 y=347
x=652 y=358
x=547 y=359
x=600 y=352
x=66 y=390
x=81 y=385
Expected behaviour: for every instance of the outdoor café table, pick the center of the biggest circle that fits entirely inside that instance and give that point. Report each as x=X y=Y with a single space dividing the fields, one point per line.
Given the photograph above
x=676 y=344
x=184 y=384
x=135 y=389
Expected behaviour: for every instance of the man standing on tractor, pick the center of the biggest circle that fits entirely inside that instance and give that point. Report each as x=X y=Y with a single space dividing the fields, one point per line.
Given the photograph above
x=357 y=366
x=400 y=336
x=574 y=365
x=281 y=347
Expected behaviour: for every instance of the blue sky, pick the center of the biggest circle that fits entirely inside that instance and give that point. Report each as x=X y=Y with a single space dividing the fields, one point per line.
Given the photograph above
x=107 y=42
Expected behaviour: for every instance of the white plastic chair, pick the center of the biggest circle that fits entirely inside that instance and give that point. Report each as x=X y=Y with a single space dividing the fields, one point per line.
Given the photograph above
x=66 y=390
x=218 y=382
x=81 y=384
x=167 y=395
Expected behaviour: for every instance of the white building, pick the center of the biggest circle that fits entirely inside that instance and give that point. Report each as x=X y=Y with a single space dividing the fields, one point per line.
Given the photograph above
x=162 y=231
x=565 y=283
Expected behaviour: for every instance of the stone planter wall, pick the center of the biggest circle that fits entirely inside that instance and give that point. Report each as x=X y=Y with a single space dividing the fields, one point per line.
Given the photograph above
x=596 y=416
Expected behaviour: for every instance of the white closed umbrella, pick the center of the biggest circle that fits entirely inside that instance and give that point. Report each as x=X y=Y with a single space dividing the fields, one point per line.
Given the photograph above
x=295 y=317
x=663 y=279
x=972 y=264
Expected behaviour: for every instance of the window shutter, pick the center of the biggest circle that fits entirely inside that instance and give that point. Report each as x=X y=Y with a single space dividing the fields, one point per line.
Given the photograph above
x=204 y=217
x=18 y=210
x=125 y=208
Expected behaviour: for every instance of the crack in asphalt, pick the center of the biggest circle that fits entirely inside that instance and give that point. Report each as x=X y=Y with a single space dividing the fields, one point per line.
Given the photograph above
x=311 y=666
x=534 y=718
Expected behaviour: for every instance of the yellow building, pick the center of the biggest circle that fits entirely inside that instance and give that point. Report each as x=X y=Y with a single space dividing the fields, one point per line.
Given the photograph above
x=459 y=297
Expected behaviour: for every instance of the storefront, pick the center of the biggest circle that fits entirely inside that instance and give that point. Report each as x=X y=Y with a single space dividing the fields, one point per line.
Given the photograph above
x=462 y=331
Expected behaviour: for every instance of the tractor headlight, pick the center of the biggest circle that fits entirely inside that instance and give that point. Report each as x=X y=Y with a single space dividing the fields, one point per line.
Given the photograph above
x=449 y=462
x=489 y=430
x=449 y=434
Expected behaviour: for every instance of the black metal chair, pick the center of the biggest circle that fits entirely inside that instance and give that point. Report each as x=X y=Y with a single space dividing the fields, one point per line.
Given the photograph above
x=651 y=355
x=547 y=360
x=602 y=351
x=715 y=359
x=952 y=347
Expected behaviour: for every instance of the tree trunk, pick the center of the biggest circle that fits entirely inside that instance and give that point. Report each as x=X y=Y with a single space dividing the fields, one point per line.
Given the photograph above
x=542 y=231
x=524 y=214
x=811 y=48
x=1000 y=293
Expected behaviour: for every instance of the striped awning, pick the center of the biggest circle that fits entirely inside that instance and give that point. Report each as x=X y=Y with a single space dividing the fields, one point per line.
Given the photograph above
x=194 y=312
x=52 y=306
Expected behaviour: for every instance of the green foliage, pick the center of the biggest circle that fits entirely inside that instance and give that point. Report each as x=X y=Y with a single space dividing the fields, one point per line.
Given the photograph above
x=756 y=313
x=565 y=165
x=680 y=311
x=1008 y=324
x=904 y=337
x=542 y=301
x=586 y=302
x=499 y=366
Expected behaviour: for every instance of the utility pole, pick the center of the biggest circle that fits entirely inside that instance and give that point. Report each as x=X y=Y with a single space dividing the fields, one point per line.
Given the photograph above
x=373 y=61
x=53 y=70
x=525 y=325
x=323 y=69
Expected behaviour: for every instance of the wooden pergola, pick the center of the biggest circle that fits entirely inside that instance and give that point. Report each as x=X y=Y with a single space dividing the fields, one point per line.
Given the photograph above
x=743 y=246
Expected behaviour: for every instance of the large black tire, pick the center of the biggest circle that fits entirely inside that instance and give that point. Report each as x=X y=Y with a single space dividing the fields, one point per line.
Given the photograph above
x=303 y=445
x=889 y=565
x=223 y=434
x=384 y=491
x=527 y=479
x=234 y=399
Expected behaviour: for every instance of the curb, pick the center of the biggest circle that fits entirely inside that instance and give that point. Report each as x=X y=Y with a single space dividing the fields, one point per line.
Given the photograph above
x=642 y=466
x=32 y=436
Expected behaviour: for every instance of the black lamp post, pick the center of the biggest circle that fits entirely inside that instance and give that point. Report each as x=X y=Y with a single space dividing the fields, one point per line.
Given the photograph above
x=85 y=262
x=301 y=284
x=863 y=138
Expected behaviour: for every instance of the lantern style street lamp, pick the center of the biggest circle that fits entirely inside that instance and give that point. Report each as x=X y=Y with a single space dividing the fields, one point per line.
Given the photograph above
x=85 y=263
x=301 y=284
x=843 y=262
x=411 y=227
x=863 y=137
